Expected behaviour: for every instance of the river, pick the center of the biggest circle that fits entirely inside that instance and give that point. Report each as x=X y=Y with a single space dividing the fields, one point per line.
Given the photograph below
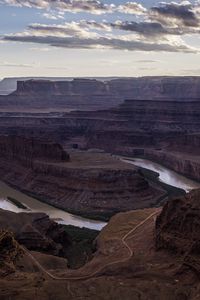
x=165 y=175
x=34 y=206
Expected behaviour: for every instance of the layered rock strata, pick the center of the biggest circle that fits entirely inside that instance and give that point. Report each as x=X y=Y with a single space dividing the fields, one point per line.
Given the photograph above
x=27 y=150
x=36 y=232
x=178 y=227
x=89 y=184
x=92 y=94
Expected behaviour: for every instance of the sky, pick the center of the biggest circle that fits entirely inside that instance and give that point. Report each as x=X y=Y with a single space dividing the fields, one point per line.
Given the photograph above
x=77 y=38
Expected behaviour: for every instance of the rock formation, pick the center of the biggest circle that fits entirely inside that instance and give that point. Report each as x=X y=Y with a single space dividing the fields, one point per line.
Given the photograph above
x=36 y=232
x=96 y=185
x=112 y=273
x=139 y=88
x=10 y=252
x=178 y=226
x=28 y=150
x=92 y=94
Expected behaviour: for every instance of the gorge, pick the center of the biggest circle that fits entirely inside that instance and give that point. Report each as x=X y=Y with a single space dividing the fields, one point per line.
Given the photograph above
x=118 y=156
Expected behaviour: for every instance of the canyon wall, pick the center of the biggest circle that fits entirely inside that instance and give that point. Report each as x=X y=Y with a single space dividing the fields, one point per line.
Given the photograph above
x=97 y=188
x=167 y=126
x=181 y=162
x=27 y=150
x=92 y=94
x=178 y=226
x=141 y=88
x=36 y=232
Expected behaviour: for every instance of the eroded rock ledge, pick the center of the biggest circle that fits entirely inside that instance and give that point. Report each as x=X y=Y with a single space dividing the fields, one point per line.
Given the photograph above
x=178 y=226
x=27 y=149
x=36 y=232
x=96 y=188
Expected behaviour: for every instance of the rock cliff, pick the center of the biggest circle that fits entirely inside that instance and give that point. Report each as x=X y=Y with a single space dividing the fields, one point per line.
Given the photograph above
x=28 y=150
x=139 y=88
x=178 y=227
x=36 y=232
x=187 y=164
x=10 y=252
x=92 y=94
x=96 y=185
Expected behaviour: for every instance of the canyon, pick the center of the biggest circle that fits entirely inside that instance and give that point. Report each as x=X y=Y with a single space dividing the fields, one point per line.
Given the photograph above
x=66 y=143
x=95 y=185
x=104 y=93
x=163 y=265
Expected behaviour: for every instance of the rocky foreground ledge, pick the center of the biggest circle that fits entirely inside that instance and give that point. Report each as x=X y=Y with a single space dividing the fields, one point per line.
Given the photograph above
x=136 y=258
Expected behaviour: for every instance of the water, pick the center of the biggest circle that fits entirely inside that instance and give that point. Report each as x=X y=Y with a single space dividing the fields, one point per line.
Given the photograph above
x=34 y=206
x=165 y=175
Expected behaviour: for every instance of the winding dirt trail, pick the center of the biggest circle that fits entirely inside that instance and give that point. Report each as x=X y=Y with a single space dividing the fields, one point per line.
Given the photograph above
x=130 y=253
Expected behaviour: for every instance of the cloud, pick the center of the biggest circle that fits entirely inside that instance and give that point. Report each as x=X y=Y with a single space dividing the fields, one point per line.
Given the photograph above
x=41 y=49
x=132 y=8
x=160 y=28
x=147 y=61
x=152 y=28
x=65 y=30
x=184 y=13
x=82 y=41
x=16 y=65
x=90 y=6
x=52 y=16
x=144 y=28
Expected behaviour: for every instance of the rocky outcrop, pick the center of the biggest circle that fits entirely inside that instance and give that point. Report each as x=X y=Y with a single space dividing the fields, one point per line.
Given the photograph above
x=139 y=88
x=125 y=264
x=178 y=226
x=92 y=94
x=157 y=87
x=47 y=87
x=181 y=162
x=92 y=192
x=95 y=185
x=28 y=150
x=10 y=252
x=36 y=232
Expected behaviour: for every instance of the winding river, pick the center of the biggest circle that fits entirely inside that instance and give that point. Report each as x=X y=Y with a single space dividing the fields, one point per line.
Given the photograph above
x=62 y=217
x=165 y=175
x=33 y=205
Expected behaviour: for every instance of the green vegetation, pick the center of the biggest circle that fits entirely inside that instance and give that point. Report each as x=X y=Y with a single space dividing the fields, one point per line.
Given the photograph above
x=82 y=245
x=17 y=203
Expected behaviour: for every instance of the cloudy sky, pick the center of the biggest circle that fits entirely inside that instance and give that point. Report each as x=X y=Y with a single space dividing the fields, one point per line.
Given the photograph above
x=99 y=38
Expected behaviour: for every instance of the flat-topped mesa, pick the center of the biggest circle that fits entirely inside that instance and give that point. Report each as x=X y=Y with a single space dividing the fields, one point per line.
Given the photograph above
x=140 y=88
x=157 y=87
x=26 y=150
x=47 y=87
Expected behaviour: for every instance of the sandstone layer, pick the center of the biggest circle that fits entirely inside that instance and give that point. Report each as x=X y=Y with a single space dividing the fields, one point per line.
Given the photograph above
x=36 y=232
x=177 y=229
x=96 y=185
x=187 y=164
x=27 y=150
x=92 y=94
x=115 y=274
